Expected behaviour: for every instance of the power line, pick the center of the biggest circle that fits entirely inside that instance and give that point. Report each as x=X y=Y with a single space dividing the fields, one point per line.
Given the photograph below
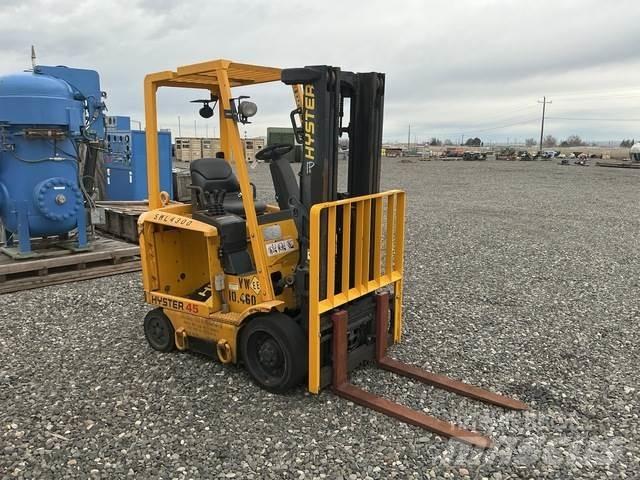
x=596 y=94
x=596 y=119
x=519 y=120
x=506 y=116
x=544 y=105
x=497 y=127
x=598 y=98
x=503 y=117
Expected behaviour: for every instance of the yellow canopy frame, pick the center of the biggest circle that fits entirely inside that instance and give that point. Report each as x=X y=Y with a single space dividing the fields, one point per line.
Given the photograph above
x=218 y=77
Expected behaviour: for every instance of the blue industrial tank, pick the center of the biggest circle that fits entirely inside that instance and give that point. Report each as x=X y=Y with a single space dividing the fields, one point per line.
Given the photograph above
x=44 y=117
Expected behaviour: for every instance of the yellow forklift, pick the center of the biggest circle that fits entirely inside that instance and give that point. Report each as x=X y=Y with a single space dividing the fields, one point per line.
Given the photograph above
x=309 y=287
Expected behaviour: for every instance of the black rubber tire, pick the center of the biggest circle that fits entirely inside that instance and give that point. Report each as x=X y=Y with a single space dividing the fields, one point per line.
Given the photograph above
x=273 y=348
x=159 y=331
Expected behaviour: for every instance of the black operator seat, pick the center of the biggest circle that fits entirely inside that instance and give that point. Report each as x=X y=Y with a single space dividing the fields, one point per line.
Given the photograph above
x=212 y=176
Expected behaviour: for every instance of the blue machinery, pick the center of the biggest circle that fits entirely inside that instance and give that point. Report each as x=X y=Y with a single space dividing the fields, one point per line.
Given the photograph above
x=125 y=162
x=51 y=129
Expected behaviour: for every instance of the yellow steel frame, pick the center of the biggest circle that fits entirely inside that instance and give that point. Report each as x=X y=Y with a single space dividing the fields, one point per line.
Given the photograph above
x=217 y=77
x=368 y=275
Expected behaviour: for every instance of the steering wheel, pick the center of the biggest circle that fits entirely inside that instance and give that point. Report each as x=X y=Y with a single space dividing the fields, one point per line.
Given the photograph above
x=274 y=152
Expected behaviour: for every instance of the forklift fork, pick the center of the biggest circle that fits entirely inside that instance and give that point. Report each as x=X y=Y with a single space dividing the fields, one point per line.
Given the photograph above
x=343 y=388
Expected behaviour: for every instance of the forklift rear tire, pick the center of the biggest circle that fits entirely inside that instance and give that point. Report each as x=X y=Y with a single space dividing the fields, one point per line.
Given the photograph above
x=274 y=351
x=159 y=331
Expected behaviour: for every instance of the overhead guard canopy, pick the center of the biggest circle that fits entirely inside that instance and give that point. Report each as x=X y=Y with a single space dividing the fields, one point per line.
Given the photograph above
x=203 y=75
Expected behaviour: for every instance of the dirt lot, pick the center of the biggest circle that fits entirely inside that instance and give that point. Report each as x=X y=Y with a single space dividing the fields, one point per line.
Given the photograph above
x=522 y=277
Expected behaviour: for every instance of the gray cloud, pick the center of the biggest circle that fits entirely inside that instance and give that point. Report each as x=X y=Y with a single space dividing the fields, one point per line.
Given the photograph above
x=452 y=67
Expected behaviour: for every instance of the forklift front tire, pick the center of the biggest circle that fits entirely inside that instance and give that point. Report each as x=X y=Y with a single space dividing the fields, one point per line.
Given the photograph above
x=159 y=331
x=274 y=352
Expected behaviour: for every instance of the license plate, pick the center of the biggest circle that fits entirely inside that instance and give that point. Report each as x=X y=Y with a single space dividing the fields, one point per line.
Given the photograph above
x=280 y=247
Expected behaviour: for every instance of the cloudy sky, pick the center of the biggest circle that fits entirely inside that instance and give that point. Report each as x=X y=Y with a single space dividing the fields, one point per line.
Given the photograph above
x=456 y=67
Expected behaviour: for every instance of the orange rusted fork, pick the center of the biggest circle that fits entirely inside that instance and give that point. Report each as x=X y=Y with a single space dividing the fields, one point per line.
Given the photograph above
x=440 y=381
x=342 y=387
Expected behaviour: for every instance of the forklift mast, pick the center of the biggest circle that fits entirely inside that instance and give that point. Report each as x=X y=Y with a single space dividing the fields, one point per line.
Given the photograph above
x=326 y=90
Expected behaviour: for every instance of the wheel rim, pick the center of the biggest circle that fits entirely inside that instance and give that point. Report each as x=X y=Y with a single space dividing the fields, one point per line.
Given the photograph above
x=158 y=332
x=266 y=356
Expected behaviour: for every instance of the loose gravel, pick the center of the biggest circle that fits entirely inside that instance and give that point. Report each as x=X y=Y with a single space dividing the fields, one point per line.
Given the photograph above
x=520 y=277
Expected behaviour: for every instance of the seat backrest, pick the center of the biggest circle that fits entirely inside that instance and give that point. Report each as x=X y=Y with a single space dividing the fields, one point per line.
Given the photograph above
x=284 y=182
x=211 y=174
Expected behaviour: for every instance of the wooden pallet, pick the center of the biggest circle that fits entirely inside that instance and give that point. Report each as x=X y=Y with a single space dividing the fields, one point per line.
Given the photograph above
x=108 y=257
x=619 y=165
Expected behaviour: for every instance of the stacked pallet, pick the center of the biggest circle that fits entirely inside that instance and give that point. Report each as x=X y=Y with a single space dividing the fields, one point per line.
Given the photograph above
x=55 y=265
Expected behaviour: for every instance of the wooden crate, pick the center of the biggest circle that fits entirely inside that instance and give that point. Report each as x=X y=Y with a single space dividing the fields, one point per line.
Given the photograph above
x=122 y=218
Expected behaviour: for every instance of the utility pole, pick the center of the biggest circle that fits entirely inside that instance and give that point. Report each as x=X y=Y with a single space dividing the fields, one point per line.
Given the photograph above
x=544 y=105
x=179 y=127
x=195 y=129
x=409 y=139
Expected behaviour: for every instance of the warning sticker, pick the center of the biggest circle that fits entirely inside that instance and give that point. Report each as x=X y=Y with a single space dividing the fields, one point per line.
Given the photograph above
x=255 y=285
x=280 y=247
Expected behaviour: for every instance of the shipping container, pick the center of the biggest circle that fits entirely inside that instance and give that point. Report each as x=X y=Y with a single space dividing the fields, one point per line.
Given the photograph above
x=284 y=135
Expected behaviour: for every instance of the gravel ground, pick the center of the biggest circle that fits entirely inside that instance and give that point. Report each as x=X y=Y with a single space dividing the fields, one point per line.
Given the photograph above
x=520 y=277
